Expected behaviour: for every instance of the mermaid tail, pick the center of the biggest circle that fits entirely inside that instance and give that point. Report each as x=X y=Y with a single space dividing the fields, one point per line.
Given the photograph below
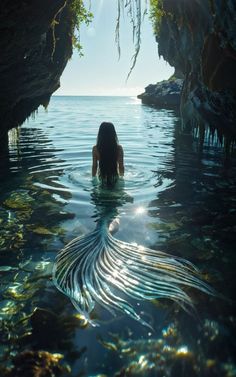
x=97 y=268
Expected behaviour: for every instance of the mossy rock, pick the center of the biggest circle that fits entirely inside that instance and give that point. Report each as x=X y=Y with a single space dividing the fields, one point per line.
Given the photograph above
x=20 y=200
x=165 y=227
x=2 y=241
x=40 y=230
x=24 y=215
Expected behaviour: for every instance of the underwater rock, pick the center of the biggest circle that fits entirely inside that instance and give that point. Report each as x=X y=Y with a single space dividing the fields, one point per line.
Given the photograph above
x=164 y=356
x=59 y=329
x=20 y=200
x=164 y=94
x=170 y=354
x=198 y=38
x=37 y=364
x=40 y=230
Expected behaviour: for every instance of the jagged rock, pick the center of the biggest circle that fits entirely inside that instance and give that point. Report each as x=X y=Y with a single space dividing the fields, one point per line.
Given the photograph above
x=198 y=38
x=35 y=45
x=164 y=94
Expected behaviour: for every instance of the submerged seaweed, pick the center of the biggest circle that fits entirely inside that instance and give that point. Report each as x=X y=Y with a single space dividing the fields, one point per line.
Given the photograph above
x=34 y=364
x=191 y=212
x=168 y=355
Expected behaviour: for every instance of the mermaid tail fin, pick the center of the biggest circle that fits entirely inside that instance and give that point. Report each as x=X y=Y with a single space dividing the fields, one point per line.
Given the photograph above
x=97 y=268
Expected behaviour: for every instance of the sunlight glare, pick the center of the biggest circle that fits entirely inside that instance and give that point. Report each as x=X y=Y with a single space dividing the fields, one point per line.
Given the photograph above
x=140 y=210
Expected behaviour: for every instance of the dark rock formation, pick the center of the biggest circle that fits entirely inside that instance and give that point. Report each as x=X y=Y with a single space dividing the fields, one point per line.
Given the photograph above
x=198 y=38
x=35 y=45
x=164 y=94
x=36 y=364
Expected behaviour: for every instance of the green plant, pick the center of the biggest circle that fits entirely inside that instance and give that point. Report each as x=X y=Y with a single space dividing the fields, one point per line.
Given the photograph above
x=79 y=14
x=136 y=11
x=156 y=13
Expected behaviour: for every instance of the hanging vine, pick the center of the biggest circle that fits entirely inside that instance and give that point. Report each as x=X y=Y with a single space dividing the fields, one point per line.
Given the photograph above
x=136 y=12
x=79 y=14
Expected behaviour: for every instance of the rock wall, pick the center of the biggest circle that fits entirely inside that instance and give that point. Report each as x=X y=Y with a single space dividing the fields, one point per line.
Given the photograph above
x=35 y=45
x=198 y=38
x=165 y=94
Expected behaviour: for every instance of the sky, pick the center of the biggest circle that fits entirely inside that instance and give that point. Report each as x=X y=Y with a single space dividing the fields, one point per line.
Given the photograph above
x=100 y=71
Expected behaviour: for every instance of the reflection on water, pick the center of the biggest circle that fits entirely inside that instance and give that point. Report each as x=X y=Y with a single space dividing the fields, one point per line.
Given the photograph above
x=177 y=198
x=106 y=201
x=97 y=268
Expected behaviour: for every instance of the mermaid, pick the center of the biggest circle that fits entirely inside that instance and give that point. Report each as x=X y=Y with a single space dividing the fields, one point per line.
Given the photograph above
x=97 y=268
x=109 y=154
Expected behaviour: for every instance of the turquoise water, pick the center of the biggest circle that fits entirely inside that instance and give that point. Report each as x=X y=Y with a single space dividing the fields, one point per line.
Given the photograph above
x=178 y=197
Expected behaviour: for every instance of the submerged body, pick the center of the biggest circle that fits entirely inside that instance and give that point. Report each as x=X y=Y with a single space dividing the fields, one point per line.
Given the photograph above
x=97 y=268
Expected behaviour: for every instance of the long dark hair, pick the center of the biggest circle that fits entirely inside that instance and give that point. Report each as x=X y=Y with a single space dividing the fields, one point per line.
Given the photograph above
x=107 y=146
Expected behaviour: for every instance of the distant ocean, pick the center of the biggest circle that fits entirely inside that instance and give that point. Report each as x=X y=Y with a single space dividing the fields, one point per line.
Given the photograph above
x=177 y=199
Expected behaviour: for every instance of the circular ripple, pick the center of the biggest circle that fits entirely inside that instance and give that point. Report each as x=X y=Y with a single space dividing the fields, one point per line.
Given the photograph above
x=134 y=179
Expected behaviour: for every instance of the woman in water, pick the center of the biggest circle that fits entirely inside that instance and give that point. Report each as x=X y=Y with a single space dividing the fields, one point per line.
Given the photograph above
x=109 y=154
x=97 y=268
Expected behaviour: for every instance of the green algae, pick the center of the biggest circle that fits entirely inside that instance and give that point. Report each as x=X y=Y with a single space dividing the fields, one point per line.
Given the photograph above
x=169 y=353
x=165 y=227
x=30 y=220
x=24 y=323
x=20 y=200
x=39 y=230
x=20 y=329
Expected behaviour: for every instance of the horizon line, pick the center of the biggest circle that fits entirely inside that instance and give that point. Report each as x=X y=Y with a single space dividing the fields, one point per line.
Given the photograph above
x=95 y=95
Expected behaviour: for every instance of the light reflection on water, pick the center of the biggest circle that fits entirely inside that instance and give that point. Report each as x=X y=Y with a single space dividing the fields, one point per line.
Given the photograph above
x=177 y=198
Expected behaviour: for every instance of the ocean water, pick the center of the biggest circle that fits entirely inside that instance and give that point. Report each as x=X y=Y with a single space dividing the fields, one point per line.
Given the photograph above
x=178 y=196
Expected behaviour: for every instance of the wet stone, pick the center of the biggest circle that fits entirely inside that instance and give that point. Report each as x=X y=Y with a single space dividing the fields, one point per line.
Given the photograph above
x=20 y=200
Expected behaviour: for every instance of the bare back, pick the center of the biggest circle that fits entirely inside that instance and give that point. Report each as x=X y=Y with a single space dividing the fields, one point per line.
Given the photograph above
x=120 y=160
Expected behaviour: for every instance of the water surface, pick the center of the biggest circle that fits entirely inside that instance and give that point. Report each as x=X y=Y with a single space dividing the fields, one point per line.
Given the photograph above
x=177 y=197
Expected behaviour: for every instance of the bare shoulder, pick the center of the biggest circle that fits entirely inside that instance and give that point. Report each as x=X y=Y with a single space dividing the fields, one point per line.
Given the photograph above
x=120 y=149
x=120 y=154
x=94 y=150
